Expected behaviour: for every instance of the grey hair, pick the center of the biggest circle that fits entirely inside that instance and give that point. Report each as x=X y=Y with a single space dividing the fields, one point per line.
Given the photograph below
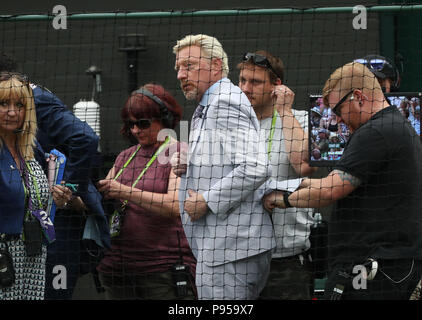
x=210 y=47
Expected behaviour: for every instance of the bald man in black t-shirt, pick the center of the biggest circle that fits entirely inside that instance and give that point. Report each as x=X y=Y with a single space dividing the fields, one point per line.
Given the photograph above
x=376 y=185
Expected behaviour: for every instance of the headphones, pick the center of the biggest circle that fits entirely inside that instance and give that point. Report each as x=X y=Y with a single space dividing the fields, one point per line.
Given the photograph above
x=167 y=118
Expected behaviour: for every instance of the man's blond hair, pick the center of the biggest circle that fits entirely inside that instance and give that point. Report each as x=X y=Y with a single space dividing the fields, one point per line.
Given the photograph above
x=352 y=75
x=210 y=48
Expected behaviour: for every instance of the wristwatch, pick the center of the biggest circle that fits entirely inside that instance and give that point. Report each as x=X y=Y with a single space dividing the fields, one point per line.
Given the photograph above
x=286 y=195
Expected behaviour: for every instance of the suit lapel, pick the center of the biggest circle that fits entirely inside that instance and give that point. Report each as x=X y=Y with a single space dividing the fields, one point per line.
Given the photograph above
x=196 y=133
x=194 y=137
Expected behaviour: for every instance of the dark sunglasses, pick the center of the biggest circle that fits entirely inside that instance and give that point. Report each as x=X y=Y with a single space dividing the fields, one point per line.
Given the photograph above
x=338 y=104
x=141 y=123
x=4 y=76
x=259 y=60
x=376 y=64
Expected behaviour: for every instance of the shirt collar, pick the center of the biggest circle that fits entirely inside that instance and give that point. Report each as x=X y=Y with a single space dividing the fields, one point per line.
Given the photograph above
x=210 y=91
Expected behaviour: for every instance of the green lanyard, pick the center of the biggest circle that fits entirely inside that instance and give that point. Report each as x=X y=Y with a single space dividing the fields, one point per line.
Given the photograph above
x=127 y=162
x=270 y=140
x=160 y=149
x=37 y=190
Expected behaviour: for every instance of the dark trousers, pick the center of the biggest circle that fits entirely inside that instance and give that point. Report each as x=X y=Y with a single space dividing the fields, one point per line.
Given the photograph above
x=290 y=278
x=64 y=254
x=394 y=280
x=150 y=286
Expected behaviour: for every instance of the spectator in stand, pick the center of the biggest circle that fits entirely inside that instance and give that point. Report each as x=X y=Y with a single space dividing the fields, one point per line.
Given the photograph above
x=316 y=155
x=322 y=141
x=404 y=108
x=315 y=117
x=333 y=123
x=416 y=119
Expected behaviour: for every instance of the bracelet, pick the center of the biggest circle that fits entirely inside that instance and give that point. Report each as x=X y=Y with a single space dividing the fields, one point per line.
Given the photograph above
x=66 y=204
x=286 y=195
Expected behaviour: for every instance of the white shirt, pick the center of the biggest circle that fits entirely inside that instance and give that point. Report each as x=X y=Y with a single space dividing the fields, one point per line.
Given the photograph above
x=291 y=225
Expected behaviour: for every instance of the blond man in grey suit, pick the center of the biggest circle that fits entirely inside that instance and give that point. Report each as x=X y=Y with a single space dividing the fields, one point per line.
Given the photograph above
x=228 y=230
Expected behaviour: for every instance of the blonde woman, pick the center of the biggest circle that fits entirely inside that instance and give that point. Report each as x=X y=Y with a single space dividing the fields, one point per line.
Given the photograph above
x=24 y=193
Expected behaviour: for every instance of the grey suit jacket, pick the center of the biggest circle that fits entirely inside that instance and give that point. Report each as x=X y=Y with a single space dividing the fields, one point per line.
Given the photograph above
x=228 y=166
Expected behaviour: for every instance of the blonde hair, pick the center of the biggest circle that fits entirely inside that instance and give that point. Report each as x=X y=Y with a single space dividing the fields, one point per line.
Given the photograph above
x=210 y=48
x=352 y=76
x=14 y=88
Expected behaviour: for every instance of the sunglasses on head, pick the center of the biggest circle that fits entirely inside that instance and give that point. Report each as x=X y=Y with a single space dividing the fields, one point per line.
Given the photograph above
x=141 y=123
x=4 y=76
x=376 y=64
x=259 y=60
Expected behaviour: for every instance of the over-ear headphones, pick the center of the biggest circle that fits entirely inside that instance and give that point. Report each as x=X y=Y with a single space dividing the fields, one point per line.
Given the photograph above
x=167 y=117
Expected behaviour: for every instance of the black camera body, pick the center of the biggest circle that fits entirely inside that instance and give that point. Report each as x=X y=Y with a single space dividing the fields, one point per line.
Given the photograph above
x=7 y=271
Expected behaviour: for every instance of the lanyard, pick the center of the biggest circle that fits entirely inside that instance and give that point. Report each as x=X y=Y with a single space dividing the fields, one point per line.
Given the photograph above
x=28 y=192
x=160 y=149
x=270 y=140
x=127 y=162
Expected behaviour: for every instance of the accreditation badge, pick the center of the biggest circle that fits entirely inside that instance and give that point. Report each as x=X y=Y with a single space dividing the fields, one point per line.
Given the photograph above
x=116 y=221
x=47 y=226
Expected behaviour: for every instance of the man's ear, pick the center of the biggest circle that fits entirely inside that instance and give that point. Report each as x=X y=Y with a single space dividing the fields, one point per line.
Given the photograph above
x=359 y=95
x=278 y=82
x=216 y=65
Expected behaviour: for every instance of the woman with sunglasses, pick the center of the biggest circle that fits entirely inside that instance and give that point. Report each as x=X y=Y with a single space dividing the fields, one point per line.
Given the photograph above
x=25 y=227
x=150 y=257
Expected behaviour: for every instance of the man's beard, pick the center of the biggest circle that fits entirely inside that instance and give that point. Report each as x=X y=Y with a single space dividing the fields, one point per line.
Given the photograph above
x=191 y=94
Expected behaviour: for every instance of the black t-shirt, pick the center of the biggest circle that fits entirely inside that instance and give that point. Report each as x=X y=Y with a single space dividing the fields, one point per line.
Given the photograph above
x=382 y=217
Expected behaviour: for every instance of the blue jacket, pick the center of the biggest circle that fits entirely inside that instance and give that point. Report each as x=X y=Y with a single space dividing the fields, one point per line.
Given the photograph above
x=59 y=128
x=12 y=195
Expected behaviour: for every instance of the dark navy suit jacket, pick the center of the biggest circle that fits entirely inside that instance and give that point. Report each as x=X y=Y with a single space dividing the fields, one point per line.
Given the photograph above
x=59 y=128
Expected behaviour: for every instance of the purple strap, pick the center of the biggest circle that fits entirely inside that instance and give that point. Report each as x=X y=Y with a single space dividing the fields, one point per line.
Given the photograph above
x=42 y=216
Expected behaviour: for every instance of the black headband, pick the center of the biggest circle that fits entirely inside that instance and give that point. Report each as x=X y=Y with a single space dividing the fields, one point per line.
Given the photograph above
x=166 y=115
